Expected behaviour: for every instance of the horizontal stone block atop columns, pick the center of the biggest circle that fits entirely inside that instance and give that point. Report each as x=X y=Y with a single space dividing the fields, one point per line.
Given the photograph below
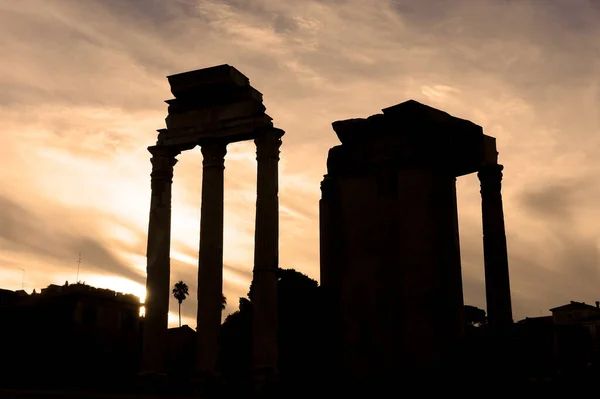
x=408 y=118
x=213 y=103
x=212 y=96
x=208 y=117
x=411 y=134
x=197 y=80
x=230 y=130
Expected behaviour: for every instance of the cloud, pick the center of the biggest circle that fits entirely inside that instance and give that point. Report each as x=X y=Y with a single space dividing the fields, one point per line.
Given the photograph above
x=566 y=249
x=554 y=201
x=45 y=236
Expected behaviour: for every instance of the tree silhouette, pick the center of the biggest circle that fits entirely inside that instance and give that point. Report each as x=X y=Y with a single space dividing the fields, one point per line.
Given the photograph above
x=223 y=302
x=300 y=329
x=180 y=292
x=474 y=317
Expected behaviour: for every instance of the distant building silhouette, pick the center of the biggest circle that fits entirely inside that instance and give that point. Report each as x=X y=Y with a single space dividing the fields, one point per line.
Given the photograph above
x=576 y=343
x=181 y=350
x=565 y=343
x=7 y=297
x=73 y=332
x=575 y=313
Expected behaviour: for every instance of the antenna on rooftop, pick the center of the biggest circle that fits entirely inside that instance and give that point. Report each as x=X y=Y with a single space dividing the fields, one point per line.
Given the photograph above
x=23 y=280
x=78 y=266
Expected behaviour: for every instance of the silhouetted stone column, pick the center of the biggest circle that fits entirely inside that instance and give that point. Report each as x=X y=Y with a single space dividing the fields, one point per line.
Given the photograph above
x=332 y=259
x=266 y=256
x=210 y=264
x=158 y=261
x=497 y=282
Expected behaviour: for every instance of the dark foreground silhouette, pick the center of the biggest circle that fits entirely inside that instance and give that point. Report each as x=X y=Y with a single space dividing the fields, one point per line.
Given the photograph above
x=44 y=349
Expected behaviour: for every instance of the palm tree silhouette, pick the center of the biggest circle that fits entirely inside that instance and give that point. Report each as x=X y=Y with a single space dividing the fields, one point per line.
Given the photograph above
x=180 y=292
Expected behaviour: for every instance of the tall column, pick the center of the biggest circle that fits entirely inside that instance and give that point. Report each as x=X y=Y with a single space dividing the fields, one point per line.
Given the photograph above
x=158 y=261
x=210 y=263
x=266 y=255
x=497 y=282
x=331 y=257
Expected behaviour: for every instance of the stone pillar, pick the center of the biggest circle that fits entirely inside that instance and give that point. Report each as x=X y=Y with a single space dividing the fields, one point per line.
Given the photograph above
x=497 y=282
x=158 y=262
x=210 y=264
x=266 y=256
x=331 y=258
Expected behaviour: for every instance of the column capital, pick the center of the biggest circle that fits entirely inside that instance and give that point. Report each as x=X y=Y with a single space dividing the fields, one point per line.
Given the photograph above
x=163 y=160
x=490 y=177
x=490 y=171
x=214 y=154
x=268 y=143
x=327 y=187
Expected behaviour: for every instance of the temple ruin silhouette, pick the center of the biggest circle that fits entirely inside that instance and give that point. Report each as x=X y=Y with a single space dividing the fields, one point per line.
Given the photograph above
x=213 y=107
x=388 y=315
x=390 y=252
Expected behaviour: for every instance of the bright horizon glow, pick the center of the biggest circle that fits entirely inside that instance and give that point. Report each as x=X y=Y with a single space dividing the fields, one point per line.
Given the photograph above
x=117 y=284
x=185 y=320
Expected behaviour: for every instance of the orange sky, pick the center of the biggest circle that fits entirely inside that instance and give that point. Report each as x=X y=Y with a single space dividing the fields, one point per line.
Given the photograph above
x=82 y=86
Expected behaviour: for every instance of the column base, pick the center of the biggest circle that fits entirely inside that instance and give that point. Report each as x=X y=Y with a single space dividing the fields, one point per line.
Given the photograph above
x=265 y=382
x=207 y=385
x=152 y=382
